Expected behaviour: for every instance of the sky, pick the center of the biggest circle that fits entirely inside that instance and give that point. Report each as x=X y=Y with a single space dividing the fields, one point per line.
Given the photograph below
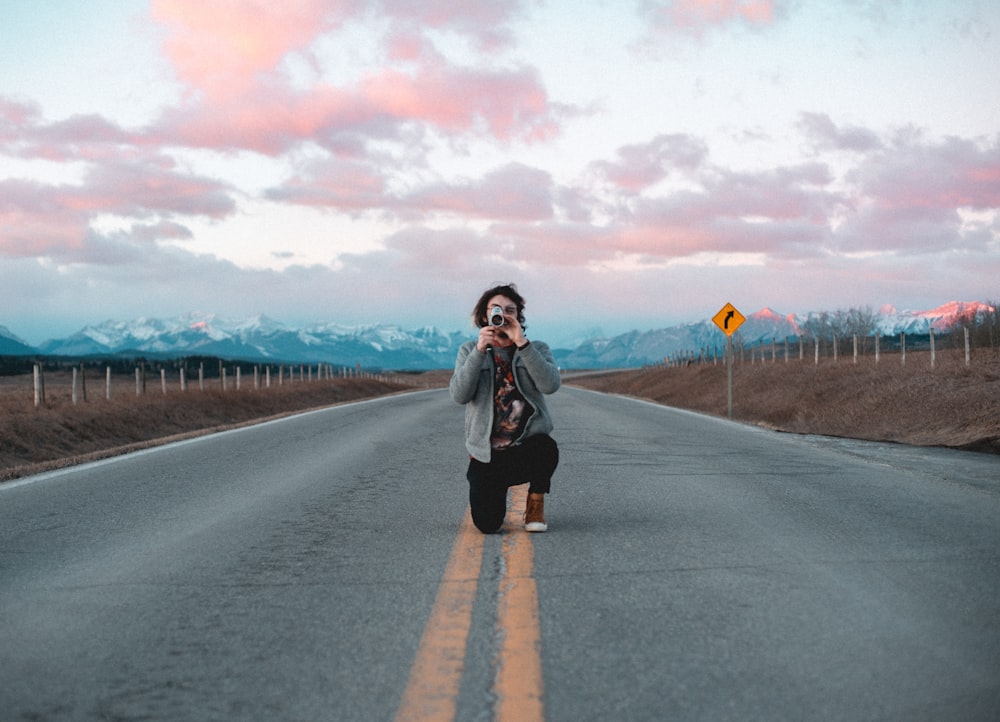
x=629 y=164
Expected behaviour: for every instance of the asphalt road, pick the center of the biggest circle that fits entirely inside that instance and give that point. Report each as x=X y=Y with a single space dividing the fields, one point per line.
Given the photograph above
x=695 y=569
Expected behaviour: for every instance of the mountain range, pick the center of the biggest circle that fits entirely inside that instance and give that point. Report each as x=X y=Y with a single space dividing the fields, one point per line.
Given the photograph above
x=263 y=340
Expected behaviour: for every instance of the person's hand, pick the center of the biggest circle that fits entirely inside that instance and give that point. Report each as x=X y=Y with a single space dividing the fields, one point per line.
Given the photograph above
x=487 y=337
x=512 y=330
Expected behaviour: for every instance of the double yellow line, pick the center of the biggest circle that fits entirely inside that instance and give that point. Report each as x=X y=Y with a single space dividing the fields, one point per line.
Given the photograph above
x=436 y=674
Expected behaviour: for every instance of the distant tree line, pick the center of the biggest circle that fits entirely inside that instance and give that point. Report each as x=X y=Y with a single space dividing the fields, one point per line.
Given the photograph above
x=983 y=325
x=859 y=322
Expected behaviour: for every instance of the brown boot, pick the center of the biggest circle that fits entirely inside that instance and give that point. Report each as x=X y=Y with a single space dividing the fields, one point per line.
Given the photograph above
x=534 y=513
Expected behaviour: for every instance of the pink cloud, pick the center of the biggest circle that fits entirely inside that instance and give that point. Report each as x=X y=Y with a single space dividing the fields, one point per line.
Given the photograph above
x=827 y=136
x=558 y=244
x=514 y=192
x=699 y=16
x=779 y=195
x=440 y=251
x=408 y=45
x=14 y=116
x=270 y=117
x=23 y=133
x=948 y=175
x=133 y=189
x=32 y=223
x=483 y=20
x=645 y=164
x=150 y=233
x=54 y=220
x=230 y=51
x=220 y=46
x=345 y=185
x=510 y=103
x=904 y=196
x=907 y=195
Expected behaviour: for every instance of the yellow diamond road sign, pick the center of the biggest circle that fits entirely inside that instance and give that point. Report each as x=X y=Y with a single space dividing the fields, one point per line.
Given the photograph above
x=728 y=319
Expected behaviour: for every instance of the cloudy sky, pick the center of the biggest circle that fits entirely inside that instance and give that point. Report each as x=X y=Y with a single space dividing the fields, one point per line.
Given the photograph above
x=628 y=163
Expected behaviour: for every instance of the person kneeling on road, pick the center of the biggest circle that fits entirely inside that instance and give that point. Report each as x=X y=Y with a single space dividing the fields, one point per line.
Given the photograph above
x=502 y=378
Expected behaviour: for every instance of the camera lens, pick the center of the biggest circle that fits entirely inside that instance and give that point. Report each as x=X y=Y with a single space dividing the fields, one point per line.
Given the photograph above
x=496 y=316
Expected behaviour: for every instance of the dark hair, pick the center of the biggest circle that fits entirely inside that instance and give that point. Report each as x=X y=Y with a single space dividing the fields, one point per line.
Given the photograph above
x=507 y=289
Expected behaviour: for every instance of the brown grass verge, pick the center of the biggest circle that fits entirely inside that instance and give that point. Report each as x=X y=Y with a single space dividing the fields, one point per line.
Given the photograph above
x=950 y=405
x=59 y=433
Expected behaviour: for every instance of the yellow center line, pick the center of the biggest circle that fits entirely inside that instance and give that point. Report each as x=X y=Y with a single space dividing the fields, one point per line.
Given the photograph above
x=437 y=670
x=518 y=684
x=436 y=675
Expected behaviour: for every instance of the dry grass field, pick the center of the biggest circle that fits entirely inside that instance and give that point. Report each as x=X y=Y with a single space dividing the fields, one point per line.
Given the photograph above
x=59 y=433
x=950 y=405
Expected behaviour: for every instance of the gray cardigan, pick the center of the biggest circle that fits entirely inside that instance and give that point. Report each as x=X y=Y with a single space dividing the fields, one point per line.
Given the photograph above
x=535 y=373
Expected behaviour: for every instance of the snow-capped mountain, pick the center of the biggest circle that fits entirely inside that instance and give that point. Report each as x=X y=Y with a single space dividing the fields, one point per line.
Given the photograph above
x=262 y=339
x=941 y=319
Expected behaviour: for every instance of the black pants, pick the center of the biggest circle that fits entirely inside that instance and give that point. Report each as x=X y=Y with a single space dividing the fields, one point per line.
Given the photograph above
x=531 y=462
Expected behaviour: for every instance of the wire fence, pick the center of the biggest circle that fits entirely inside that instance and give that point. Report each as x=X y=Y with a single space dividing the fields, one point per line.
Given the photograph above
x=112 y=381
x=853 y=349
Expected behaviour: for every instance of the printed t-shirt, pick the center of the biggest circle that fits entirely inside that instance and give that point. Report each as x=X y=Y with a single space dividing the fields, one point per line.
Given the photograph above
x=510 y=409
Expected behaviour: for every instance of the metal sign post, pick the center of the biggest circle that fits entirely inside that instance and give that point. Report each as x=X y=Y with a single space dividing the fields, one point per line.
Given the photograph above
x=728 y=319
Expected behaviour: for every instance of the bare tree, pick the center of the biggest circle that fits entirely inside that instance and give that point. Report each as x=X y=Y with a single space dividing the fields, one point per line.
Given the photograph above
x=984 y=326
x=842 y=324
x=818 y=325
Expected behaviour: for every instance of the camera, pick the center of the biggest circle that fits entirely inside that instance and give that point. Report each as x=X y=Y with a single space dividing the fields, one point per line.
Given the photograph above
x=496 y=316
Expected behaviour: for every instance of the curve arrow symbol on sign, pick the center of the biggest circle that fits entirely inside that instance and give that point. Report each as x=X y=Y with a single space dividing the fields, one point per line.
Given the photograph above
x=728 y=319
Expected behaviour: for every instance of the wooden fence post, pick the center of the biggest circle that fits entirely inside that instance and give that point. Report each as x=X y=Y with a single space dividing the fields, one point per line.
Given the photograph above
x=816 y=342
x=76 y=382
x=902 y=348
x=968 y=357
x=184 y=386
x=163 y=381
x=878 y=337
x=933 y=354
x=107 y=383
x=38 y=386
x=138 y=382
x=855 y=338
x=201 y=376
